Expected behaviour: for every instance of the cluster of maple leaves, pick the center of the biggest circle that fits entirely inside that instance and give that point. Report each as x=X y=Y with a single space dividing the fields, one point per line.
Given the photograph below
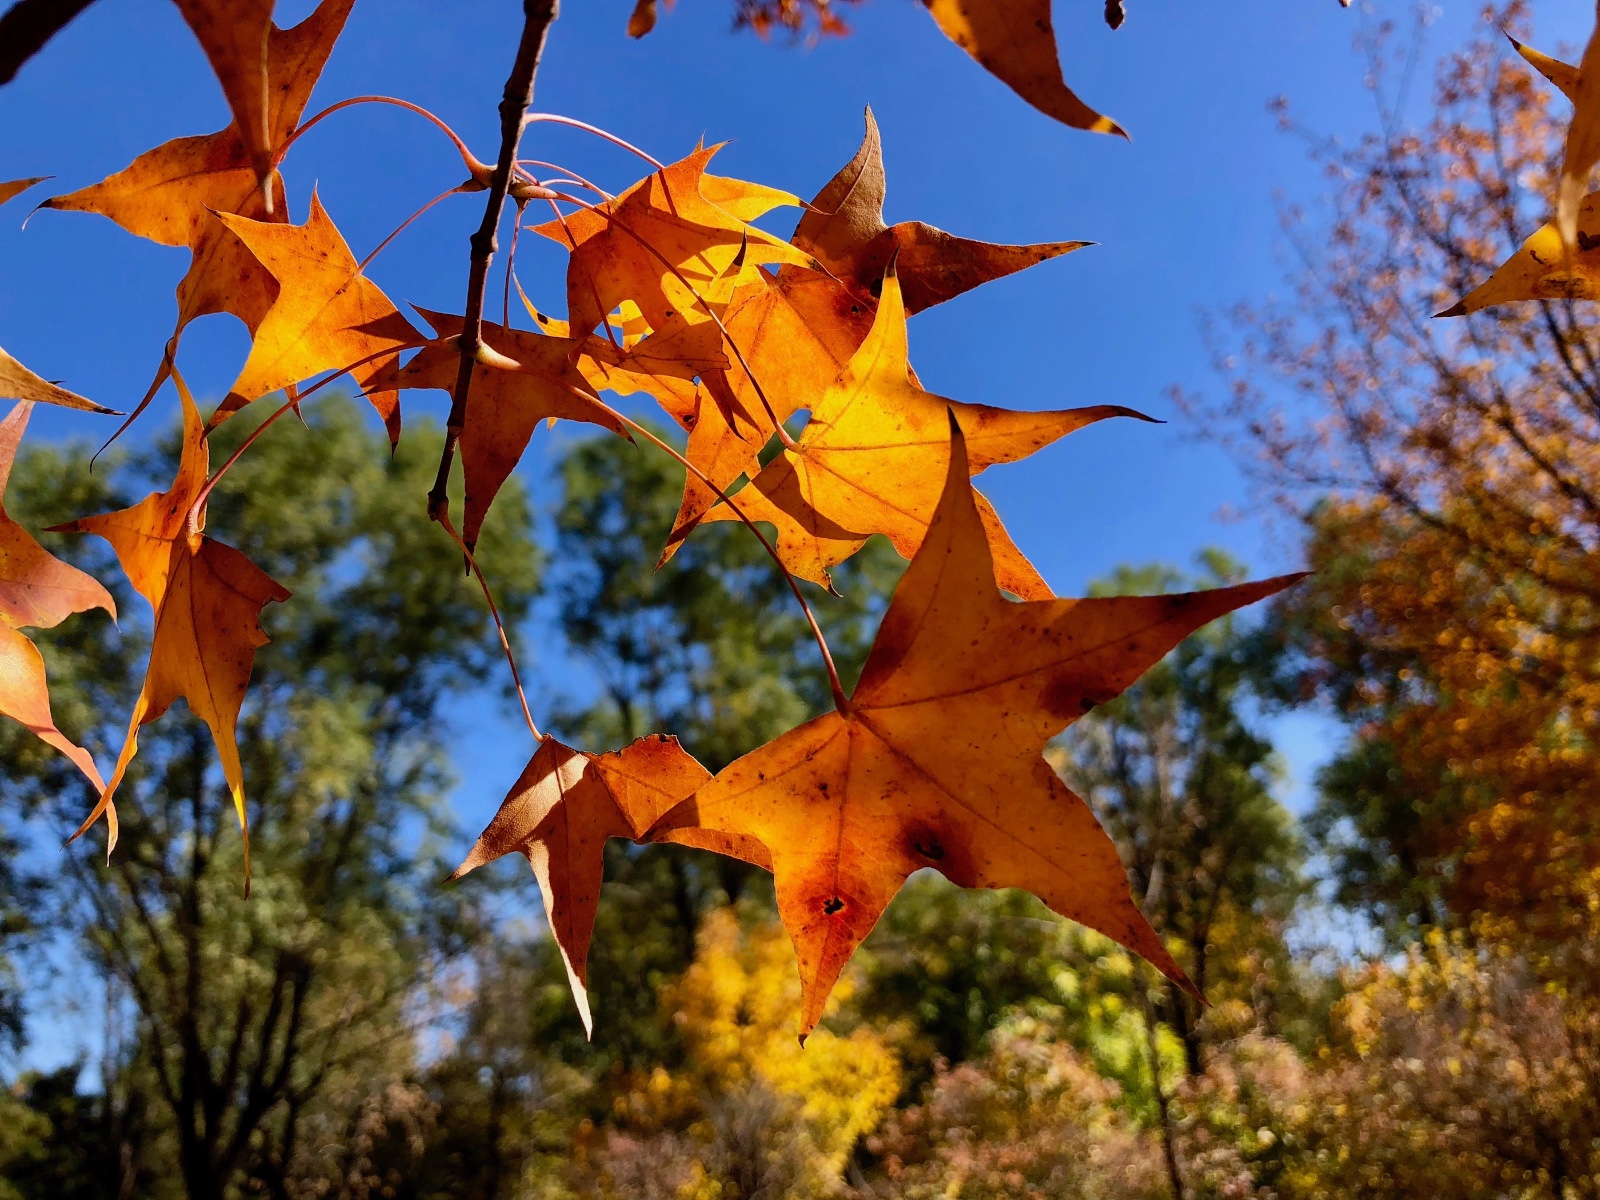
x=935 y=760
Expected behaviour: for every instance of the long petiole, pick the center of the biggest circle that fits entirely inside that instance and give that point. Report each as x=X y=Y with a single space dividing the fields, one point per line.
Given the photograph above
x=479 y=171
x=292 y=403
x=572 y=246
x=554 y=118
x=403 y=224
x=840 y=700
x=783 y=434
x=511 y=660
x=589 y=184
x=511 y=266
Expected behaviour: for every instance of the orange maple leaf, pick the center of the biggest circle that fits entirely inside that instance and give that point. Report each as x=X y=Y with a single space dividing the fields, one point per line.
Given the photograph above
x=15 y=187
x=1015 y=41
x=503 y=406
x=19 y=383
x=796 y=332
x=636 y=246
x=233 y=34
x=207 y=599
x=872 y=455
x=37 y=589
x=937 y=758
x=564 y=808
x=327 y=316
x=843 y=228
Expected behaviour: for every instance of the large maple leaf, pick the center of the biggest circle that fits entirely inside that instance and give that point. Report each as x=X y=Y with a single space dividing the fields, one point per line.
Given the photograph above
x=665 y=245
x=564 y=808
x=36 y=589
x=327 y=315
x=1015 y=41
x=503 y=406
x=207 y=599
x=872 y=456
x=844 y=229
x=936 y=759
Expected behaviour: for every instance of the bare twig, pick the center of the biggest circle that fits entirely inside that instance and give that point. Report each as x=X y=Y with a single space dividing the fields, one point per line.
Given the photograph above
x=28 y=25
x=518 y=95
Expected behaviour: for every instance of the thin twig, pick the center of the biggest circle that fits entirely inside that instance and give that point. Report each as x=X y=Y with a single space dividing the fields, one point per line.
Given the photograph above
x=537 y=16
x=443 y=518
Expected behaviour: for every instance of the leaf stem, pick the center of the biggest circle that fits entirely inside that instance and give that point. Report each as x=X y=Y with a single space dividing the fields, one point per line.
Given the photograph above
x=403 y=224
x=557 y=119
x=293 y=403
x=527 y=715
x=514 y=101
x=761 y=394
x=840 y=700
x=475 y=168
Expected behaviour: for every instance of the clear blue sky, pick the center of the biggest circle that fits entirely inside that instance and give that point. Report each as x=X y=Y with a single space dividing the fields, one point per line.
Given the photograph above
x=1185 y=215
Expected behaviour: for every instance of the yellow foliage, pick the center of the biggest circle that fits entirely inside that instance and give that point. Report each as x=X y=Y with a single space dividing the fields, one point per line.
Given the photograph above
x=735 y=1007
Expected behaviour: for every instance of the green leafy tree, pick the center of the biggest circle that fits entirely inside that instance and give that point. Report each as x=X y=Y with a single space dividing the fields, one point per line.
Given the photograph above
x=277 y=1032
x=1184 y=782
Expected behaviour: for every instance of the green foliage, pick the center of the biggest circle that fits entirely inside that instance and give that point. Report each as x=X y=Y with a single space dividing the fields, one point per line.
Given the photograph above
x=712 y=646
x=263 y=1022
x=1184 y=781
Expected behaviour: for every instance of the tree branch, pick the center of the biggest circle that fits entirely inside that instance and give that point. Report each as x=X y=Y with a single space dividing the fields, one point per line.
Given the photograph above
x=537 y=16
x=28 y=25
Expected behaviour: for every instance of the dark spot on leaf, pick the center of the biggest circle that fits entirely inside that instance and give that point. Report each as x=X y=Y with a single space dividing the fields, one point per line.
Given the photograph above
x=929 y=848
x=832 y=905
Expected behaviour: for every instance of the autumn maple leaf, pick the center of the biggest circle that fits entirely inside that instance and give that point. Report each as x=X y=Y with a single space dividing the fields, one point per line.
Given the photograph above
x=1542 y=270
x=40 y=590
x=796 y=331
x=1015 y=41
x=207 y=599
x=564 y=808
x=936 y=759
x=844 y=229
x=504 y=406
x=234 y=35
x=328 y=316
x=872 y=456
x=667 y=245
x=1583 y=140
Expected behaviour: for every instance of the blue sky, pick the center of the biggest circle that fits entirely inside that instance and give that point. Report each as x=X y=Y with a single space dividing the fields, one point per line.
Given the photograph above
x=1184 y=216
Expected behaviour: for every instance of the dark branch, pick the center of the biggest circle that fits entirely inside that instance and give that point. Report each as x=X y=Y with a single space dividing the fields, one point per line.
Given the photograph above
x=537 y=16
x=28 y=25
